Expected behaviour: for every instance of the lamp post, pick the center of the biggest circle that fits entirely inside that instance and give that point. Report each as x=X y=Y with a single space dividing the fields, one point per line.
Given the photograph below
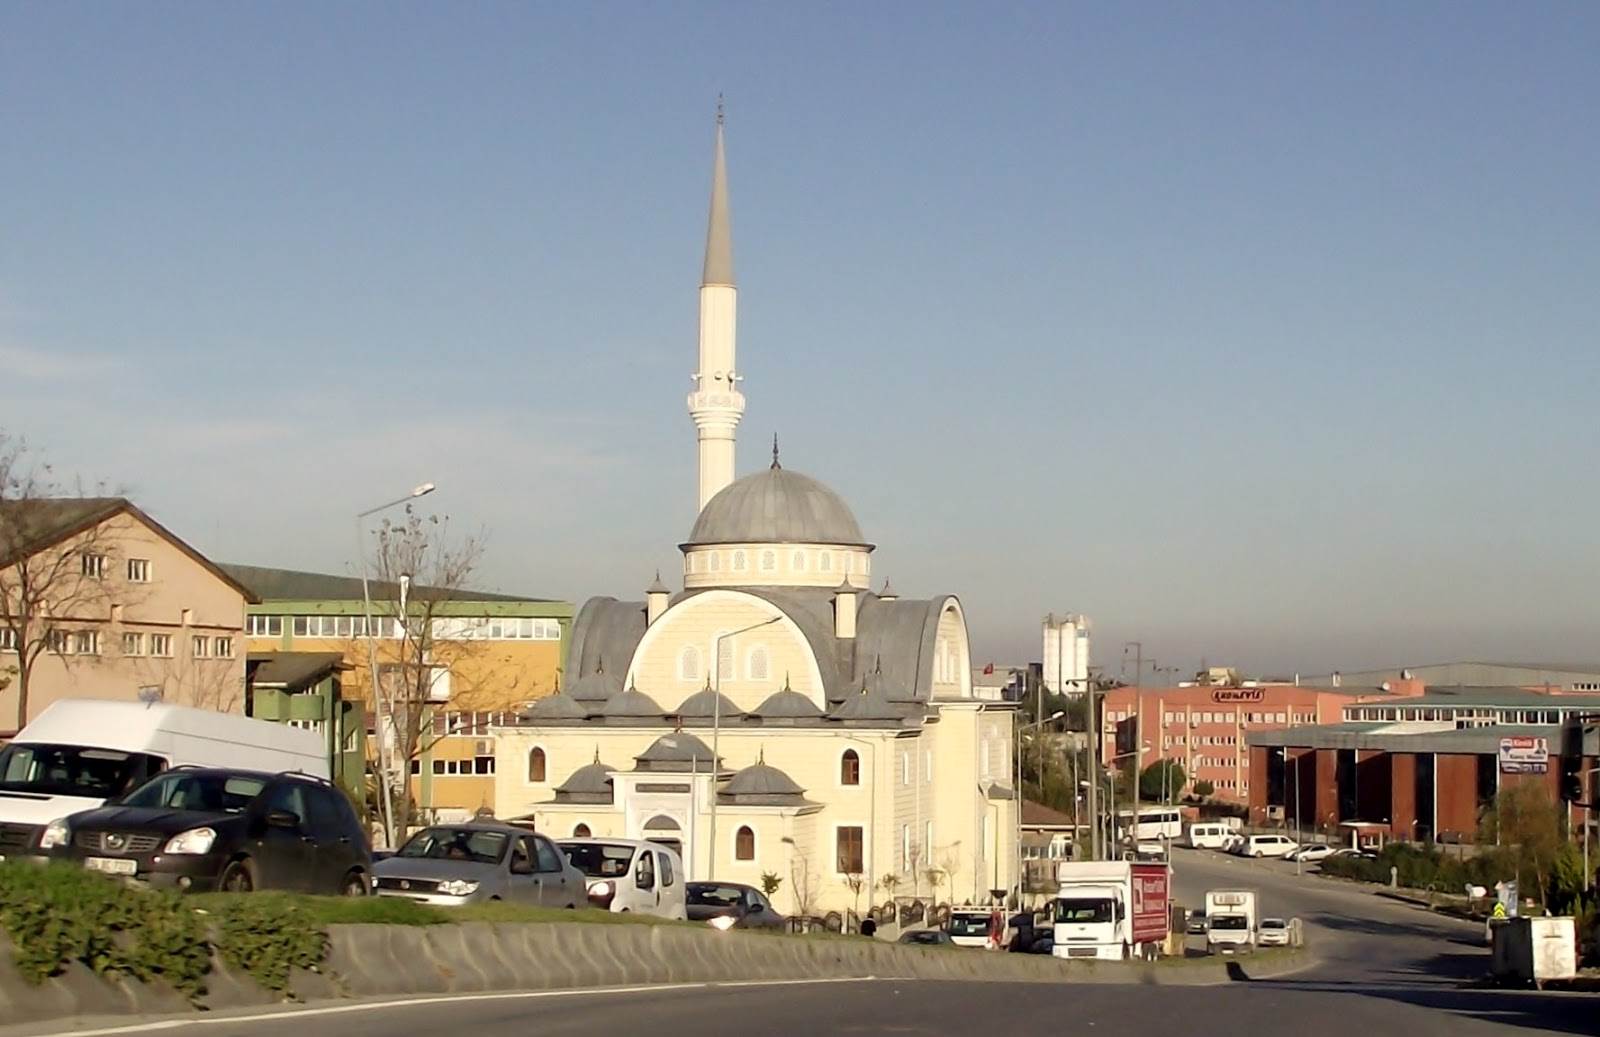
x=1095 y=763
x=1296 y=794
x=385 y=804
x=716 y=730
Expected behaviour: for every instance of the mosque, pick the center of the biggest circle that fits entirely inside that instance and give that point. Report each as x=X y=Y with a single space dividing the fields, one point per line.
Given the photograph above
x=775 y=717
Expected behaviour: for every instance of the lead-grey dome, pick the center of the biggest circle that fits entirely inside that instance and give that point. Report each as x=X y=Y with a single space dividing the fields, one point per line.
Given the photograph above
x=776 y=506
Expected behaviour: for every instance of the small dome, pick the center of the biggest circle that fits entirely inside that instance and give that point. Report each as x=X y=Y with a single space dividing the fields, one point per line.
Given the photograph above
x=787 y=704
x=595 y=687
x=776 y=506
x=870 y=703
x=677 y=751
x=590 y=783
x=559 y=706
x=762 y=780
x=703 y=705
x=632 y=703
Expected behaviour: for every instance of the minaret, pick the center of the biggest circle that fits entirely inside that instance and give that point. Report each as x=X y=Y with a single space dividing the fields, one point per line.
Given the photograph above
x=716 y=405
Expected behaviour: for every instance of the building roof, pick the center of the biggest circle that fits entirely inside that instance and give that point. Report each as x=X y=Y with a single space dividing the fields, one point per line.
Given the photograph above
x=1037 y=815
x=1511 y=697
x=705 y=704
x=590 y=783
x=1474 y=673
x=292 y=669
x=33 y=525
x=294 y=585
x=632 y=703
x=776 y=506
x=1401 y=737
x=762 y=785
x=678 y=751
x=786 y=704
x=559 y=706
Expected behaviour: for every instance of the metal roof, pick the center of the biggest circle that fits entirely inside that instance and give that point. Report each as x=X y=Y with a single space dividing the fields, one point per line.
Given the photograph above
x=1498 y=695
x=270 y=584
x=1396 y=738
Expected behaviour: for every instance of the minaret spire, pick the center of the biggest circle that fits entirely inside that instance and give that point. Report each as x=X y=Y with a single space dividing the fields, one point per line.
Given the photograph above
x=716 y=404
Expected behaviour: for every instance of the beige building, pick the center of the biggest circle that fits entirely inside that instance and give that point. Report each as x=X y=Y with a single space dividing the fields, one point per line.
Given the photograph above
x=776 y=716
x=107 y=603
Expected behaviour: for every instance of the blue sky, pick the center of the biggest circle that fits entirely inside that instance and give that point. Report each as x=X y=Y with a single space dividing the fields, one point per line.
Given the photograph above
x=1263 y=333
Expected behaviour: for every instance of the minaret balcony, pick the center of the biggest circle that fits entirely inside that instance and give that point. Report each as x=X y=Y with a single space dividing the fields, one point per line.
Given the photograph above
x=713 y=400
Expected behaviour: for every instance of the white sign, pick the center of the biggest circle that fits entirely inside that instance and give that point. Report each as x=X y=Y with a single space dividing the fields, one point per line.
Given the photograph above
x=1524 y=754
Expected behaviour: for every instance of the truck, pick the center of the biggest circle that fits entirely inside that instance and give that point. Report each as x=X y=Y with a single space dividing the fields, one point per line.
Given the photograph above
x=1111 y=909
x=1231 y=916
x=79 y=753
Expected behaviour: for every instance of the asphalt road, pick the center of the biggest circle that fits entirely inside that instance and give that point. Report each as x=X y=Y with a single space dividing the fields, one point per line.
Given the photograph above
x=1385 y=969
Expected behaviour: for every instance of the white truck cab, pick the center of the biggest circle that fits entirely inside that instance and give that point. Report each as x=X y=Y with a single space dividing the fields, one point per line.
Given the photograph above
x=1110 y=909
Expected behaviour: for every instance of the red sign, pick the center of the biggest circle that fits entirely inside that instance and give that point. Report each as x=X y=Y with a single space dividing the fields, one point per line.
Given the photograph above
x=1238 y=695
x=1152 y=901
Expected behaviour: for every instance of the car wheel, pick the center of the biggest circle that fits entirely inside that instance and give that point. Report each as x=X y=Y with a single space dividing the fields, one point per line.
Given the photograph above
x=238 y=877
x=356 y=885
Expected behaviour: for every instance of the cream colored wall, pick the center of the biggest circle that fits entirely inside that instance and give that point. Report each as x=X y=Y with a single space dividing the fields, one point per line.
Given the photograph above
x=697 y=621
x=182 y=599
x=952 y=667
x=979 y=860
x=793 y=565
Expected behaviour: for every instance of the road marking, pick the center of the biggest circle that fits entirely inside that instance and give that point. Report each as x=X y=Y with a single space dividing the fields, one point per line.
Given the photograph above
x=437 y=999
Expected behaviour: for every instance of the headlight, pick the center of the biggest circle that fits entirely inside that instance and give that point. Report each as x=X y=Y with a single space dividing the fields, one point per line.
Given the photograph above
x=600 y=889
x=723 y=922
x=56 y=833
x=458 y=887
x=195 y=840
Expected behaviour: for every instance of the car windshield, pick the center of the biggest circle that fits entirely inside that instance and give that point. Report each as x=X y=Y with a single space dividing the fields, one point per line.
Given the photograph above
x=1230 y=922
x=1083 y=911
x=209 y=792
x=969 y=925
x=456 y=844
x=599 y=860
x=924 y=936
x=705 y=894
x=1273 y=923
x=74 y=770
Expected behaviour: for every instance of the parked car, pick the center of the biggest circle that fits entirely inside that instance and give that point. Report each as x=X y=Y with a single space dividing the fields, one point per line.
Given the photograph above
x=927 y=938
x=1197 y=924
x=1266 y=846
x=1351 y=851
x=731 y=905
x=630 y=875
x=450 y=865
x=1310 y=853
x=194 y=828
x=1272 y=932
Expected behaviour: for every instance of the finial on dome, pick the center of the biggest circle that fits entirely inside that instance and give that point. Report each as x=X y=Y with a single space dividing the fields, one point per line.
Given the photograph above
x=600 y=665
x=761 y=756
x=786 y=681
x=658 y=587
x=775 y=463
x=597 y=752
x=719 y=108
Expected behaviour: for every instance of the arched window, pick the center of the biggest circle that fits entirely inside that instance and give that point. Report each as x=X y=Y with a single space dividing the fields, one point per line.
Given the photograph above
x=744 y=844
x=769 y=561
x=758 y=666
x=725 y=659
x=536 y=765
x=850 y=768
x=581 y=831
x=798 y=563
x=738 y=561
x=689 y=664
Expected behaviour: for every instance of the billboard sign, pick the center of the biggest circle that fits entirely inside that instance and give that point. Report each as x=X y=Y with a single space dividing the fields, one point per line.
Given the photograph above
x=1524 y=754
x=1152 y=902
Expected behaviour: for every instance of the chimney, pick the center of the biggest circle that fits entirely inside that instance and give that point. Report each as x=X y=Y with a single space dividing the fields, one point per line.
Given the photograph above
x=655 y=600
x=844 y=612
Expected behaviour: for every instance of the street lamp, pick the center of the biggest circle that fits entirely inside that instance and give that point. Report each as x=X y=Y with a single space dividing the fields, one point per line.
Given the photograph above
x=1297 y=839
x=385 y=806
x=716 y=728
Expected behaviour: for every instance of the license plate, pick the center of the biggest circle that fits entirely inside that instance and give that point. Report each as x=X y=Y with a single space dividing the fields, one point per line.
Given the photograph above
x=111 y=865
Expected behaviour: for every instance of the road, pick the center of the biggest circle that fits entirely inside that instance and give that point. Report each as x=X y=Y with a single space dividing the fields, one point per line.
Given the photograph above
x=1384 y=968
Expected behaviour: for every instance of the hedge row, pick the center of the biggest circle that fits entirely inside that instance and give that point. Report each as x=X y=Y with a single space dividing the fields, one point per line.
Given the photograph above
x=58 y=915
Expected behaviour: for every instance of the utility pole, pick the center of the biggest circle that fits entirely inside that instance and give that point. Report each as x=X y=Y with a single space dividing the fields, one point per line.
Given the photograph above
x=1095 y=768
x=1138 y=722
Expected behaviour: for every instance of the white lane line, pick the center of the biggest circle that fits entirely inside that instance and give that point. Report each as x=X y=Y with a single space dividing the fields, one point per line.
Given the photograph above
x=438 y=999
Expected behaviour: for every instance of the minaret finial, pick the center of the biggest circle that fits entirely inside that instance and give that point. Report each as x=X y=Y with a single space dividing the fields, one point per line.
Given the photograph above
x=775 y=463
x=719 y=108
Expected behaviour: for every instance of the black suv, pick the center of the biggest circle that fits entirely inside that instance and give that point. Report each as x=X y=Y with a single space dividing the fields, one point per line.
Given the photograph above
x=194 y=828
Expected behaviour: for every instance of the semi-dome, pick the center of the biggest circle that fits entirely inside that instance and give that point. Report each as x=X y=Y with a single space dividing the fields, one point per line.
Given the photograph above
x=776 y=506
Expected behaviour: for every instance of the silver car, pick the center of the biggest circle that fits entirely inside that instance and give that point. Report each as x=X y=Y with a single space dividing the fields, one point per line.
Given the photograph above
x=451 y=865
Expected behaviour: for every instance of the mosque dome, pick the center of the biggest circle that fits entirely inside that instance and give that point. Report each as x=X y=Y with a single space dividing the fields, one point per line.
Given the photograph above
x=776 y=506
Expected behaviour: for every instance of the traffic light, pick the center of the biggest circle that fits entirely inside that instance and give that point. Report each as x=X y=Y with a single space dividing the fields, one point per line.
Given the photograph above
x=1572 y=763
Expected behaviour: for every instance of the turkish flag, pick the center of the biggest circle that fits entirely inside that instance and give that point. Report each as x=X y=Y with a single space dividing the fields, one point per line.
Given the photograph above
x=988 y=669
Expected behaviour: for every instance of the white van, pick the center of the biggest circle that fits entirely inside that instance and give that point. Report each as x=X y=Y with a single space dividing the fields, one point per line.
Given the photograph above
x=1209 y=835
x=630 y=875
x=79 y=753
x=1267 y=846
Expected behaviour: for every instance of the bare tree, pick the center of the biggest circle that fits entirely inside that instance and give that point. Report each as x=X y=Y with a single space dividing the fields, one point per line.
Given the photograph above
x=420 y=569
x=216 y=684
x=47 y=580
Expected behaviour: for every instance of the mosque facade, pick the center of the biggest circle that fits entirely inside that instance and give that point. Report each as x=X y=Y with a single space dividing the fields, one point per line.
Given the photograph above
x=775 y=717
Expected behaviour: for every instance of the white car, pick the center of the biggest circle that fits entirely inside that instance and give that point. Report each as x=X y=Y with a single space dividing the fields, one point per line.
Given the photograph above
x=630 y=875
x=1272 y=932
x=1267 y=846
x=1310 y=852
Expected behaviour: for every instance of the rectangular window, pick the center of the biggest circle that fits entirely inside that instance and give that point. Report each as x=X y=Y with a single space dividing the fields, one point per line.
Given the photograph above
x=138 y=570
x=222 y=647
x=438 y=766
x=8 y=640
x=86 y=642
x=161 y=646
x=132 y=644
x=60 y=642
x=849 y=857
x=302 y=626
x=93 y=565
x=905 y=768
x=483 y=765
x=200 y=646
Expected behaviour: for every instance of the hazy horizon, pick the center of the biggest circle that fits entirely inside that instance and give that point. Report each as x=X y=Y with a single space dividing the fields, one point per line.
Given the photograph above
x=1265 y=336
